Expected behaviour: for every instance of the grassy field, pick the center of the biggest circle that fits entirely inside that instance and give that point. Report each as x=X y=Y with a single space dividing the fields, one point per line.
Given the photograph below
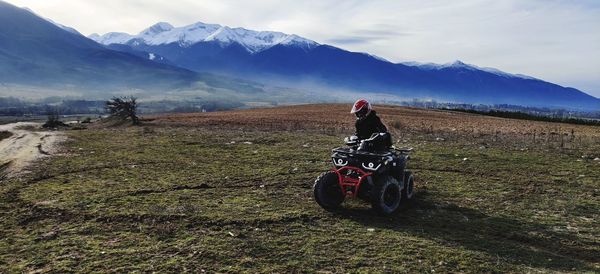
x=231 y=192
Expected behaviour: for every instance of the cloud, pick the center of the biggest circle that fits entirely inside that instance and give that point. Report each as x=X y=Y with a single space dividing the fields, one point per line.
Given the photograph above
x=347 y=40
x=553 y=40
x=377 y=33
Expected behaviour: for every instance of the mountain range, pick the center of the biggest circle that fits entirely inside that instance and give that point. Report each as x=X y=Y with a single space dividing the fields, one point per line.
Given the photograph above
x=37 y=51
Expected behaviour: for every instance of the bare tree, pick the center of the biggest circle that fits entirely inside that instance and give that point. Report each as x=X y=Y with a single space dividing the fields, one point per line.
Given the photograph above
x=123 y=108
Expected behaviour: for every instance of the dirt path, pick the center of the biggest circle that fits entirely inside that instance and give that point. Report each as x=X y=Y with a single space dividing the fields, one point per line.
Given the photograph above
x=25 y=146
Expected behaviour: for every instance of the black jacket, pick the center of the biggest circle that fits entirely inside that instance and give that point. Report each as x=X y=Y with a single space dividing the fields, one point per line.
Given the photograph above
x=367 y=126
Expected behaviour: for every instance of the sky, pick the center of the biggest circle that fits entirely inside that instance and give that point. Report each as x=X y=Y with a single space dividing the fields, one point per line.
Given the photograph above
x=557 y=41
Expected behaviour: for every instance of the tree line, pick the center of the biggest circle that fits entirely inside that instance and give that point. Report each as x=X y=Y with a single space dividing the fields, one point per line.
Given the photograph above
x=527 y=116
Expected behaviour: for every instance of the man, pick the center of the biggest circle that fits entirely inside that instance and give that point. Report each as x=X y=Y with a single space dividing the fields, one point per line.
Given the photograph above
x=367 y=124
x=367 y=121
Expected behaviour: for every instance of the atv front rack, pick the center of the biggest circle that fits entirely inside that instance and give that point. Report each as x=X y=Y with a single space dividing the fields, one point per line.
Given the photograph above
x=350 y=178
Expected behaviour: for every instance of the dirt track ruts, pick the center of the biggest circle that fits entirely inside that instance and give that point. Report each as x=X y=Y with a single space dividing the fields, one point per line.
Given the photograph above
x=25 y=146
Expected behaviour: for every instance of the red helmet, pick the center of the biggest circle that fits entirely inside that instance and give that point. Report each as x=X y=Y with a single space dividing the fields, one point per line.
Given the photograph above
x=361 y=108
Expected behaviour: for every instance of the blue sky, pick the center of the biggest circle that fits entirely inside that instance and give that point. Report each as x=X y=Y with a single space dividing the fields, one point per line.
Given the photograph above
x=558 y=41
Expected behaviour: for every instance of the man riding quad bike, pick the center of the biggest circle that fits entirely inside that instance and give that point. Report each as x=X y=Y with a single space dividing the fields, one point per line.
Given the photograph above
x=368 y=168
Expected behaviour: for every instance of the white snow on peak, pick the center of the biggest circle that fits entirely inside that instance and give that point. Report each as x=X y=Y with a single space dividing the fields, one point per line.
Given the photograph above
x=459 y=64
x=526 y=76
x=377 y=57
x=427 y=66
x=185 y=36
x=432 y=66
x=111 y=38
x=409 y=63
x=497 y=72
x=69 y=29
x=256 y=41
x=164 y=33
x=157 y=28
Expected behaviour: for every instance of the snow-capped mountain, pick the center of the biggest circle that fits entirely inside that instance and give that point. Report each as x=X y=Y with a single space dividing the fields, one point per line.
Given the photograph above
x=460 y=65
x=293 y=61
x=164 y=33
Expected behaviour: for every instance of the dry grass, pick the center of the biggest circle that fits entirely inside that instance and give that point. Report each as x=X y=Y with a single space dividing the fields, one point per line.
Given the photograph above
x=231 y=192
x=404 y=122
x=337 y=116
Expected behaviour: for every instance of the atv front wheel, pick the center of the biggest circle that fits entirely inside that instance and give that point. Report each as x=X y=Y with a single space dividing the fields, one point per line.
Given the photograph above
x=327 y=191
x=386 y=195
x=409 y=186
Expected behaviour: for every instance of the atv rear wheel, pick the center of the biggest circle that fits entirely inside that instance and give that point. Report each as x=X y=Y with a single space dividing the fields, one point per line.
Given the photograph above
x=386 y=195
x=327 y=191
x=409 y=186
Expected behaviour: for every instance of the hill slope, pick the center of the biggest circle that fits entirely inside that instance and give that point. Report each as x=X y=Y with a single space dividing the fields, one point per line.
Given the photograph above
x=34 y=51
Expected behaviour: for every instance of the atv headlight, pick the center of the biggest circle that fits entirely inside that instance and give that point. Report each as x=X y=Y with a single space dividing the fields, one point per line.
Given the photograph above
x=371 y=165
x=339 y=162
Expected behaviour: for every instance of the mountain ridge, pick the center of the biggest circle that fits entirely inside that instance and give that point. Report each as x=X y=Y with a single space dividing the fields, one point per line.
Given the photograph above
x=164 y=33
x=151 y=32
x=321 y=65
x=165 y=57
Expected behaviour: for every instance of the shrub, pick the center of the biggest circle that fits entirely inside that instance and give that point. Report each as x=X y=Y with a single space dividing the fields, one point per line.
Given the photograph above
x=123 y=108
x=53 y=120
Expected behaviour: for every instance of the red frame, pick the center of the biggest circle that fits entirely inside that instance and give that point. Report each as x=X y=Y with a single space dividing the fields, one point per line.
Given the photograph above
x=345 y=180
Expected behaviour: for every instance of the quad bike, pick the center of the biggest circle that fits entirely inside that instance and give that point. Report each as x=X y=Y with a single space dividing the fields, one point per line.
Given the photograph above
x=367 y=170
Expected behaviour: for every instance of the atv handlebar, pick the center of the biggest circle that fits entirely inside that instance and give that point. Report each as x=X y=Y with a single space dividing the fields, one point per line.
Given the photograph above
x=352 y=140
x=377 y=140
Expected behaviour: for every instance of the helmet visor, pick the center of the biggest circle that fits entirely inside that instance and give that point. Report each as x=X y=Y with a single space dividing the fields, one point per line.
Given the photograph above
x=362 y=112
